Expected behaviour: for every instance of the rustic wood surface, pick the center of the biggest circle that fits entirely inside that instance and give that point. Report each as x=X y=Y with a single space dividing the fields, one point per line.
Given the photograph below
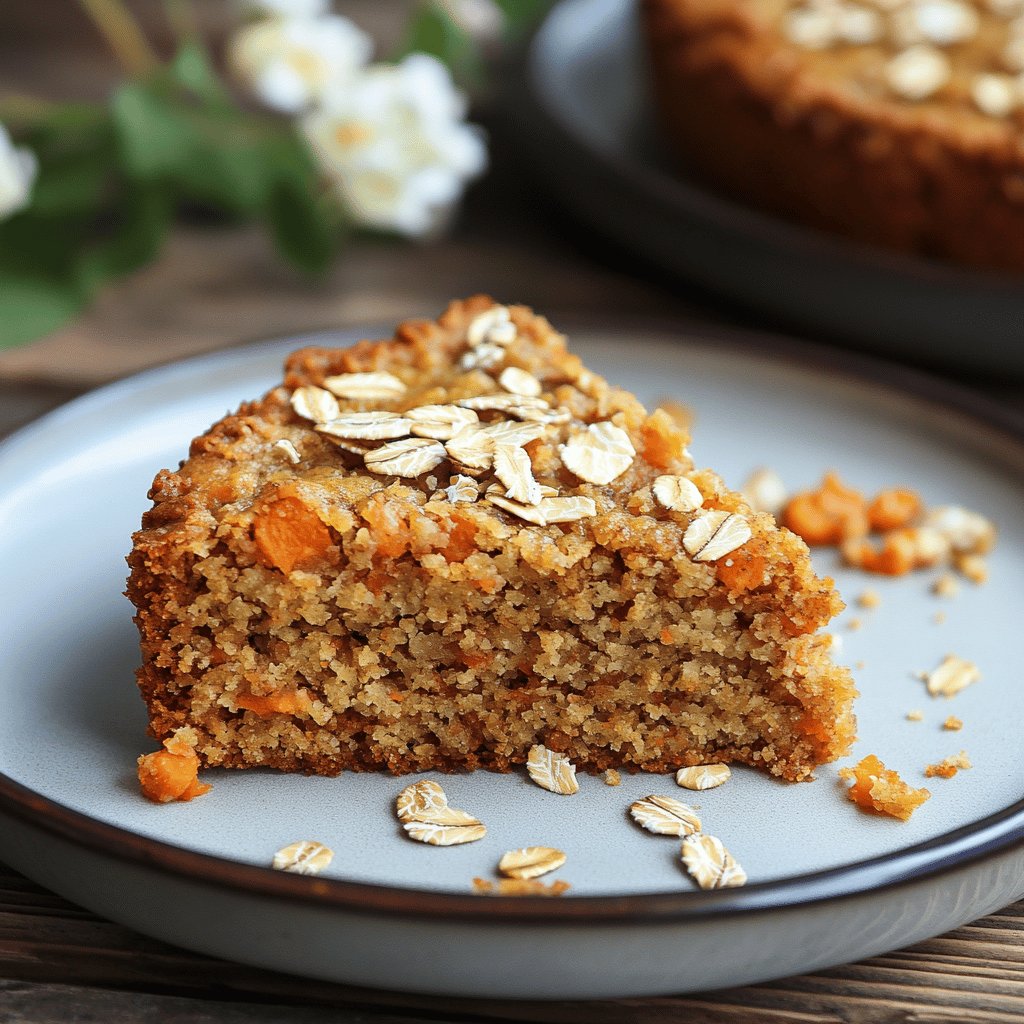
x=216 y=287
x=56 y=956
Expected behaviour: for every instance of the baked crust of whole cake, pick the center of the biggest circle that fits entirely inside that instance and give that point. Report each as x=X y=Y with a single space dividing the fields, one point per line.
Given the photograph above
x=300 y=611
x=897 y=124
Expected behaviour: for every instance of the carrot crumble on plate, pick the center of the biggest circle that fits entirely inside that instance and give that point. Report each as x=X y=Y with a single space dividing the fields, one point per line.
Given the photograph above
x=893 y=533
x=881 y=791
x=948 y=767
x=172 y=773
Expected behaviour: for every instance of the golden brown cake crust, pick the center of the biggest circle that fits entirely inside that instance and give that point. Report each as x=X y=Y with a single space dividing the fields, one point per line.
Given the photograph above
x=794 y=132
x=313 y=616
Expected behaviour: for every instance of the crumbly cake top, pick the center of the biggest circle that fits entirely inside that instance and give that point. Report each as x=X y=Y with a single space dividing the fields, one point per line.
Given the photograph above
x=470 y=433
x=943 y=64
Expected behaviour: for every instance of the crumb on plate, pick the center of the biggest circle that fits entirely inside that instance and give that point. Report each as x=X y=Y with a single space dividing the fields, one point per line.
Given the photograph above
x=948 y=767
x=880 y=790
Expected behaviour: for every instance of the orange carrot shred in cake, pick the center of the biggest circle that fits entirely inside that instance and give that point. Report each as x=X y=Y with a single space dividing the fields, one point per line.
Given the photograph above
x=880 y=790
x=441 y=550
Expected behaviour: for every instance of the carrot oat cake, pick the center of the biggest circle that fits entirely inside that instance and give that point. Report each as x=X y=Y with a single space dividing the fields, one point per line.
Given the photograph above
x=895 y=122
x=438 y=551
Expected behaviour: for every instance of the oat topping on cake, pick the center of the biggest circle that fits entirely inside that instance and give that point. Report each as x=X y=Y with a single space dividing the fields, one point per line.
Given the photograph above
x=466 y=567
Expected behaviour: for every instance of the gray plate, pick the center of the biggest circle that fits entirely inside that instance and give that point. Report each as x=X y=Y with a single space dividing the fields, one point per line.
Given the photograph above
x=583 y=116
x=828 y=882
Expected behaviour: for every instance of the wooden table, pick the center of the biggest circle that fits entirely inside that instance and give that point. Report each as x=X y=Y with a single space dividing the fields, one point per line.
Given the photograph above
x=216 y=287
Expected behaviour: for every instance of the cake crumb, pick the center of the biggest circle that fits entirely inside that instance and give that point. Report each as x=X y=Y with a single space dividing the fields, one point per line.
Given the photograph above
x=908 y=535
x=879 y=790
x=973 y=567
x=519 y=887
x=917 y=715
x=682 y=415
x=869 y=599
x=953 y=724
x=612 y=777
x=946 y=586
x=948 y=767
x=171 y=774
x=854 y=624
x=939 y=618
x=859 y=666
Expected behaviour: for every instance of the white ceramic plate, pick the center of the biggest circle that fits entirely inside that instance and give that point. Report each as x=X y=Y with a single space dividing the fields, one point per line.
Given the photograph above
x=828 y=883
x=583 y=116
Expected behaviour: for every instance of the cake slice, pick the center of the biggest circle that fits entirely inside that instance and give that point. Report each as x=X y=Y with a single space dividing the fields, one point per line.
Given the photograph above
x=437 y=551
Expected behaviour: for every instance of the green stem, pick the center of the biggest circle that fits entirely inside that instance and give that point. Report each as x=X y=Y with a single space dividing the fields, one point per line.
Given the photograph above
x=123 y=35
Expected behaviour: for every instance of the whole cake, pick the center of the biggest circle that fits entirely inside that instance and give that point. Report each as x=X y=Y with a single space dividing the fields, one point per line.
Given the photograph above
x=895 y=122
x=438 y=551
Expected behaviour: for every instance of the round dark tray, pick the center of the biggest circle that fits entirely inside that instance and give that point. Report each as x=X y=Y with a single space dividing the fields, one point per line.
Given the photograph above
x=581 y=109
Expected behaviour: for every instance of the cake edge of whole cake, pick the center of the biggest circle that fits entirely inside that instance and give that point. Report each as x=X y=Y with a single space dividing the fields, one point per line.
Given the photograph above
x=875 y=169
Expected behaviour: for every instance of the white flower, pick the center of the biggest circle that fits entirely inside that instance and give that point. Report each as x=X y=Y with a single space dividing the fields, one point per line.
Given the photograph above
x=290 y=63
x=481 y=19
x=395 y=145
x=18 y=170
x=286 y=8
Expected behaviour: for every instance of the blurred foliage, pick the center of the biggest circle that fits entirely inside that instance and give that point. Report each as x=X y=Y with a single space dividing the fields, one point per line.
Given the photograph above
x=111 y=180
x=434 y=29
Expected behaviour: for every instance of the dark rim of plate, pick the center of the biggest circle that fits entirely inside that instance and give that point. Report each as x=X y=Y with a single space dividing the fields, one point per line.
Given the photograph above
x=550 y=129
x=964 y=848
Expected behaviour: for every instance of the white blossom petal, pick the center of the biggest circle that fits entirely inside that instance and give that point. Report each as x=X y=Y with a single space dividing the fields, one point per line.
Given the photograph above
x=286 y=8
x=394 y=146
x=482 y=19
x=18 y=171
x=292 y=63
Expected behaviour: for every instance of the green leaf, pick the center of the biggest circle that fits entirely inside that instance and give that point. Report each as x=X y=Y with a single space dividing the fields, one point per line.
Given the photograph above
x=133 y=240
x=155 y=141
x=216 y=156
x=193 y=70
x=71 y=185
x=77 y=156
x=303 y=229
x=34 y=245
x=522 y=15
x=433 y=31
x=31 y=307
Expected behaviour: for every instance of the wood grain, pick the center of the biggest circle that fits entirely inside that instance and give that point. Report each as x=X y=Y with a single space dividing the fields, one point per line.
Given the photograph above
x=53 y=954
